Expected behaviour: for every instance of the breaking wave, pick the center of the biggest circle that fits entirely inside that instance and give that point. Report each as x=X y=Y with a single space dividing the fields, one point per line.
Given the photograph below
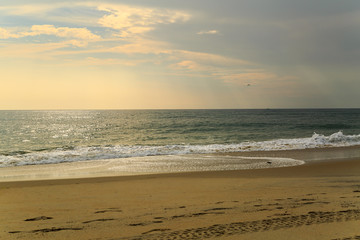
x=74 y=154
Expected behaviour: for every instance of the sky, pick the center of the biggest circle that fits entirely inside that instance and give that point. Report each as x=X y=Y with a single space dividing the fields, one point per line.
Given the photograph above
x=172 y=54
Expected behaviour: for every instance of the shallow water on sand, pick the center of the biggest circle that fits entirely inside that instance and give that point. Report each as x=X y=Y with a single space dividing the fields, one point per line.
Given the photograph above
x=176 y=164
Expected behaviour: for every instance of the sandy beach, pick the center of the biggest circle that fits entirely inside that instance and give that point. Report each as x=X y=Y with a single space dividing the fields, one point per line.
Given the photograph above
x=169 y=120
x=318 y=200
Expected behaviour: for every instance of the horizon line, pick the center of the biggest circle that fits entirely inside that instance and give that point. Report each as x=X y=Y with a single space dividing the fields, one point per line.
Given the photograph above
x=154 y=109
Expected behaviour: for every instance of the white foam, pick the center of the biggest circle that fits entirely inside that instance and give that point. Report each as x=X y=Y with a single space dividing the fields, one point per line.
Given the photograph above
x=111 y=152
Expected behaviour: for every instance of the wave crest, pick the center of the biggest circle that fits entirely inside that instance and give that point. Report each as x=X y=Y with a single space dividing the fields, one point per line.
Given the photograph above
x=74 y=154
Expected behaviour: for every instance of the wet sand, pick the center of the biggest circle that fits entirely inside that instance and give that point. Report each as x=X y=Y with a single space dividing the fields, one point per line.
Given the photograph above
x=318 y=200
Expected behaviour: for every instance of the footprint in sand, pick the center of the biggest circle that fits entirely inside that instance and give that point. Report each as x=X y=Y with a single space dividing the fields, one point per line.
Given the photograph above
x=238 y=228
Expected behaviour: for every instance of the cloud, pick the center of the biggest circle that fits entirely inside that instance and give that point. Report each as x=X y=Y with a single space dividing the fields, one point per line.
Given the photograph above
x=33 y=50
x=210 y=32
x=112 y=61
x=126 y=24
x=188 y=65
x=213 y=65
x=130 y=21
x=225 y=69
x=65 y=32
x=141 y=46
x=5 y=34
x=26 y=9
x=129 y=26
x=78 y=36
x=211 y=59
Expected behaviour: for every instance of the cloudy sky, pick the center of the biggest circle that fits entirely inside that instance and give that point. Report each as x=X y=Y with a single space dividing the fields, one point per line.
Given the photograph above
x=140 y=54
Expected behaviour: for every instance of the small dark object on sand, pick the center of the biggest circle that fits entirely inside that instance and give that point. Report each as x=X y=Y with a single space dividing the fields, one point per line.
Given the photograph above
x=38 y=218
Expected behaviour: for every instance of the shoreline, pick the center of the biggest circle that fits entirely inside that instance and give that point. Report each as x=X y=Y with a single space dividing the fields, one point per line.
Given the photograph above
x=318 y=169
x=101 y=168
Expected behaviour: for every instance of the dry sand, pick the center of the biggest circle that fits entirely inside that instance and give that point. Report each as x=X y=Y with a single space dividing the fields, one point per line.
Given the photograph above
x=314 y=201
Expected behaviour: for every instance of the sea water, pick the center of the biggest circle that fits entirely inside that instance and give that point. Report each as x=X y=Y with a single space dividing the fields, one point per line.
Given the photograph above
x=170 y=140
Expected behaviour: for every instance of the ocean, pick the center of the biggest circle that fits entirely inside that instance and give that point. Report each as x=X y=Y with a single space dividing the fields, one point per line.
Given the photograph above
x=165 y=139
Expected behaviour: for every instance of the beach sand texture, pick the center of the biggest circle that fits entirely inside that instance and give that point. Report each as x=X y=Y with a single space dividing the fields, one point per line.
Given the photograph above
x=313 y=201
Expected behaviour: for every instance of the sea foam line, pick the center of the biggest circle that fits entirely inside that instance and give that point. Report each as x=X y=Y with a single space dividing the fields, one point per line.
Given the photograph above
x=122 y=151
